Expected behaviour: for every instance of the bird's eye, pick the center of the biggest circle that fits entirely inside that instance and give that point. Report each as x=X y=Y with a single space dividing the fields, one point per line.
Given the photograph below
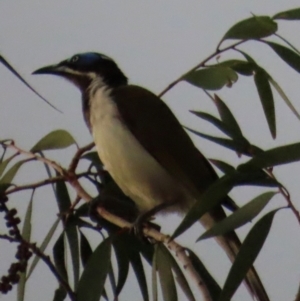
x=74 y=59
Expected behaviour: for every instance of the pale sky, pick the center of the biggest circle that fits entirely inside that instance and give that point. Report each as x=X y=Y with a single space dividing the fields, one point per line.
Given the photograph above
x=154 y=42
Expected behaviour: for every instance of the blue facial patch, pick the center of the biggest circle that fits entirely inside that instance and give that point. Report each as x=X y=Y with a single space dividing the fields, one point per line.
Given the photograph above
x=88 y=58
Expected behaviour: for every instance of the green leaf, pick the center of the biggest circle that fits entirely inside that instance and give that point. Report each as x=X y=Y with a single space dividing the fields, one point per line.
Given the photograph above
x=272 y=157
x=154 y=274
x=289 y=56
x=283 y=96
x=180 y=278
x=240 y=217
x=60 y=294
x=227 y=117
x=164 y=268
x=209 y=199
x=4 y=164
x=252 y=28
x=240 y=146
x=266 y=97
x=212 y=286
x=72 y=236
x=223 y=166
x=43 y=246
x=10 y=174
x=121 y=251
x=247 y=255
x=138 y=269
x=62 y=197
x=15 y=73
x=85 y=249
x=91 y=284
x=213 y=120
x=213 y=78
x=57 y=139
x=292 y=14
x=26 y=234
x=239 y=66
x=94 y=158
x=59 y=256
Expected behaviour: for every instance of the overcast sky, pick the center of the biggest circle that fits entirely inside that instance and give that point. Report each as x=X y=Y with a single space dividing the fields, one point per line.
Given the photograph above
x=154 y=42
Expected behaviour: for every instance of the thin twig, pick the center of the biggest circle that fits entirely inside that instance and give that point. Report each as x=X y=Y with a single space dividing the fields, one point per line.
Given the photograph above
x=78 y=154
x=72 y=178
x=43 y=183
x=284 y=192
x=201 y=64
x=51 y=163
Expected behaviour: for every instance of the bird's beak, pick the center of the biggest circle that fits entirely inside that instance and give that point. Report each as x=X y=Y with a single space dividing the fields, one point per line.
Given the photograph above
x=58 y=69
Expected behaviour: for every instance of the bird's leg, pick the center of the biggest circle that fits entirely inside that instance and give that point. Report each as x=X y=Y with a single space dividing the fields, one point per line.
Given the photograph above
x=144 y=217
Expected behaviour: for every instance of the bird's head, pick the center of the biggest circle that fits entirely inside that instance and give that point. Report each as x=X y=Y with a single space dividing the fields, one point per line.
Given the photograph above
x=81 y=69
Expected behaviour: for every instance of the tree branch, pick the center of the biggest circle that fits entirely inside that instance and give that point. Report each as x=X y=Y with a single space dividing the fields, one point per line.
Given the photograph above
x=201 y=64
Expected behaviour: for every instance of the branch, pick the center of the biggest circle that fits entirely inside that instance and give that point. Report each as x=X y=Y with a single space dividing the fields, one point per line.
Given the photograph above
x=201 y=64
x=71 y=177
x=171 y=244
x=78 y=154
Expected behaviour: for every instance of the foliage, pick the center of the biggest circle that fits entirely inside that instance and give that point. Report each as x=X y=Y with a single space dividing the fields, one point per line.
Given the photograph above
x=92 y=268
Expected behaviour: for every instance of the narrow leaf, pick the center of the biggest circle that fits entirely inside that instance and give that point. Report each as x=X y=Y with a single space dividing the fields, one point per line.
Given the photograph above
x=94 y=158
x=167 y=282
x=43 y=246
x=273 y=157
x=209 y=199
x=60 y=294
x=227 y=117
x=266 y=97
x=26 y=234
x=10 y=174
x=211 y=284
x=252 y=28
x=85 y=249
x=4 y=164
x=154 y=274
x=13 y=71
x=240 y=146
x=62 y=197
x=59 y=256
x=247 y=255
x=138 y=269
x=292 y=14
x=239 y=66
x=72 y=236
x=284 y=96
x=213 y=78
x=57 y=139
x=213 y=120
x=223 y=166
x=91 y=284
x=180 y=278
x=240 y=217
x=121 y=251
x=286 y=54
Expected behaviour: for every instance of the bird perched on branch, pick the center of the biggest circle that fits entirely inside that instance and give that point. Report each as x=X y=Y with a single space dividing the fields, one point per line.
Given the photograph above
x=144 y=147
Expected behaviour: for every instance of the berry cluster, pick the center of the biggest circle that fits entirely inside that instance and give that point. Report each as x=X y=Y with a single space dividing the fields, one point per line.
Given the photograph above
x=23 y=253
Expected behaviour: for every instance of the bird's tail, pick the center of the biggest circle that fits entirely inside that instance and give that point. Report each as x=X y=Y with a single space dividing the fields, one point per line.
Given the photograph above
x=231 y=244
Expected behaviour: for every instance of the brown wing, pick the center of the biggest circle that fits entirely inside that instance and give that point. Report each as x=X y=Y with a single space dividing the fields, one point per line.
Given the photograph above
x=158 y=130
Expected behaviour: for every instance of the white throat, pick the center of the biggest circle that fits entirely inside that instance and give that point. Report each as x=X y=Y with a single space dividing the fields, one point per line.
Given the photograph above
x=136 y=172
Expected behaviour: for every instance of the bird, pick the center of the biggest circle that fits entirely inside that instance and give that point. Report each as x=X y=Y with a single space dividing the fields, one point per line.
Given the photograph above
x=144 y=147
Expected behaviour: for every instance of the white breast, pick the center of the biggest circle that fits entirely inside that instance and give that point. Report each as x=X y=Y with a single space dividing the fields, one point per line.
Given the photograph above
x=136 y=172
